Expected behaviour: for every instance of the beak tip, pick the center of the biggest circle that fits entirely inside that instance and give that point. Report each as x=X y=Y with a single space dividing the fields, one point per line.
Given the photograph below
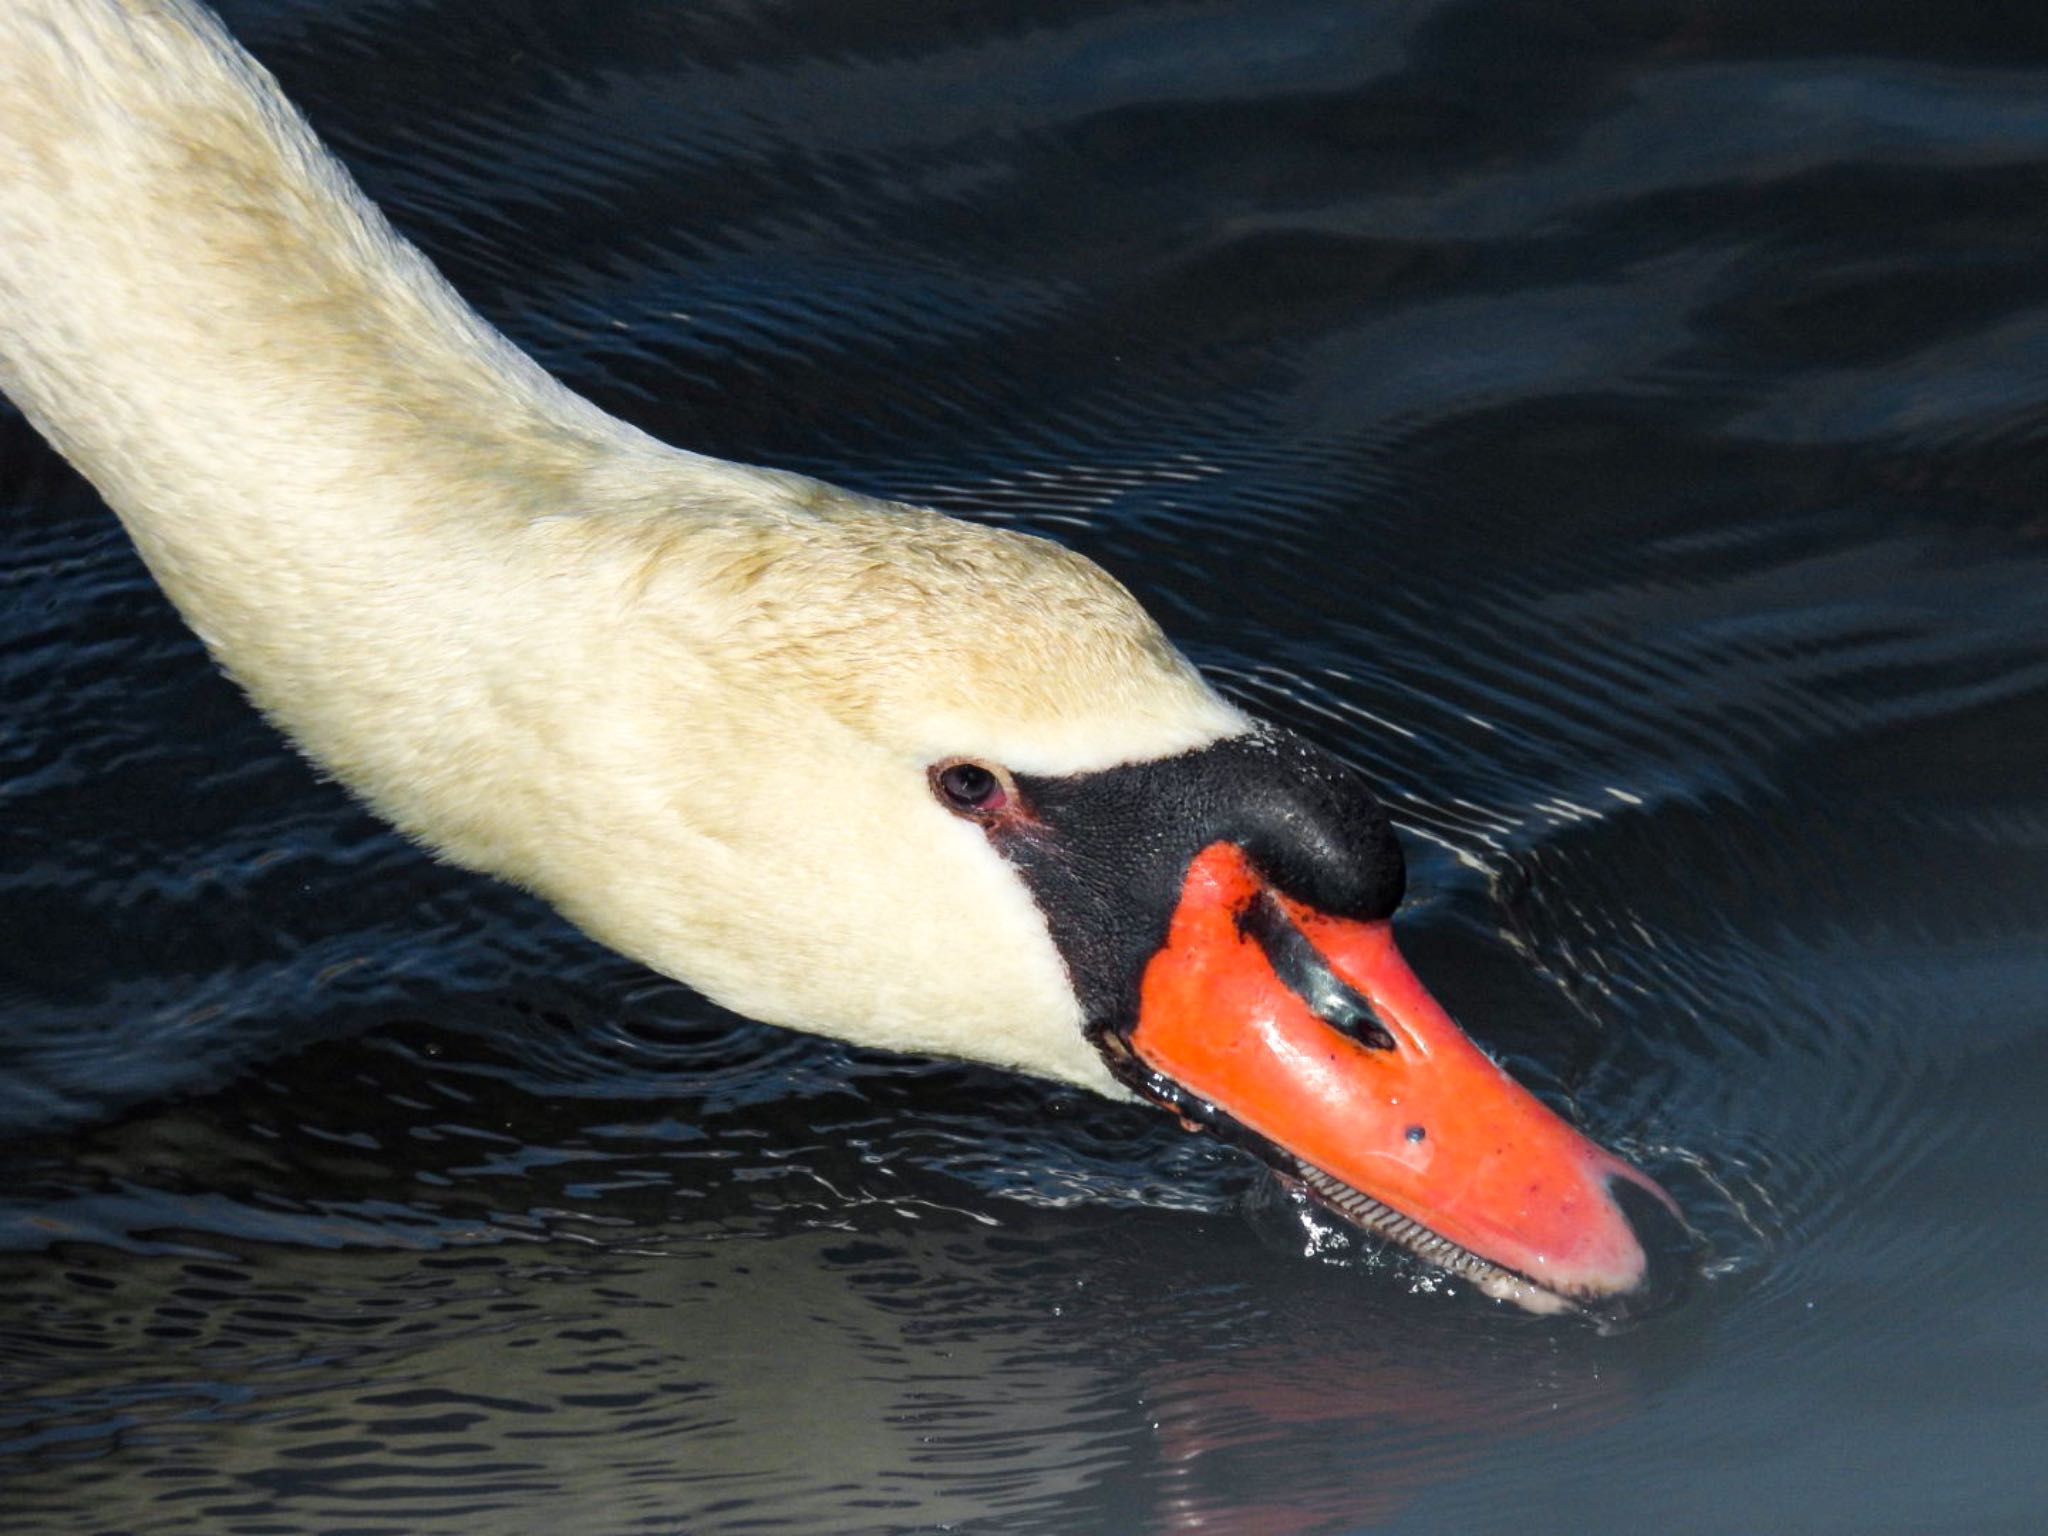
x=1670 y=1248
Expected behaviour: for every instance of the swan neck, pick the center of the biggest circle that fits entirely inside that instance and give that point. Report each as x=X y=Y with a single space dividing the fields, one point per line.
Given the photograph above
x=333 y=466
x=207 y=316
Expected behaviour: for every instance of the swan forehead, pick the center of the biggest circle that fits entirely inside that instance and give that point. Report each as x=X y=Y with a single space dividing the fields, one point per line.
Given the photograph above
x=933 y=637
x=1077 y=740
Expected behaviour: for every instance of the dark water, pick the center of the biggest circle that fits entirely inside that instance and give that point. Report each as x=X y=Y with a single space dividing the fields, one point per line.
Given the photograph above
x=1618 y=426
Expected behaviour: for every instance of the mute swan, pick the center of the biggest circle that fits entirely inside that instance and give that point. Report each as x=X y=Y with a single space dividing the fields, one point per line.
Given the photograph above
x=849 y=767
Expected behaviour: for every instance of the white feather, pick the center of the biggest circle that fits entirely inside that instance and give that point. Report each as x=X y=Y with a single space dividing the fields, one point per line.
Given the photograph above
x=691 y=702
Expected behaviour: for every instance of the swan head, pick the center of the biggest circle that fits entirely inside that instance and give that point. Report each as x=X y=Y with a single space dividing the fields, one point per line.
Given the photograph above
x=937 y=787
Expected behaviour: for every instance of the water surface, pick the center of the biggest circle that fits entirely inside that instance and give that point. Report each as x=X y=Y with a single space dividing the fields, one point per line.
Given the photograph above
x=1618 y=429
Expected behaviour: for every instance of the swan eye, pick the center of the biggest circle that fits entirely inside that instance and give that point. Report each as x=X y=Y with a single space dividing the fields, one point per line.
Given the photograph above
x=970 y=788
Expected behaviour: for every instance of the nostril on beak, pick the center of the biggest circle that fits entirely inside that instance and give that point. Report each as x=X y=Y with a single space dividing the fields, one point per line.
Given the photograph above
x=1304 y=971
x=1669 y=1248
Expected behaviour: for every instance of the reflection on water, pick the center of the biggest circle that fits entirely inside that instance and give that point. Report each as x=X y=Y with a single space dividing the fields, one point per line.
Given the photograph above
x=1618 y=432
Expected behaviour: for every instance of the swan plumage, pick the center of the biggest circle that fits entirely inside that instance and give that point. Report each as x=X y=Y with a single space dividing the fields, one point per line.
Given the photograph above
x=515 y=624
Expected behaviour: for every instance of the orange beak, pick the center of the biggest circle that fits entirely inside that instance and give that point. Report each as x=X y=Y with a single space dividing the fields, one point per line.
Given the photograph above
x=1311 y=1033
